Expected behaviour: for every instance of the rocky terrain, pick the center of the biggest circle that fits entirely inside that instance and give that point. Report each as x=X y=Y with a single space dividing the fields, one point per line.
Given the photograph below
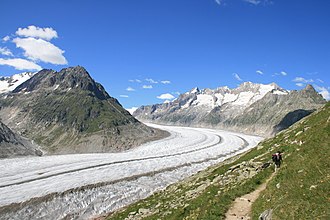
x=12 y=145
x=250 y=108
x=68 y=112
x=298 y=190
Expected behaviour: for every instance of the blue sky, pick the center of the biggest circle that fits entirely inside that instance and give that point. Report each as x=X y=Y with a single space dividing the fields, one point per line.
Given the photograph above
x=144 y=51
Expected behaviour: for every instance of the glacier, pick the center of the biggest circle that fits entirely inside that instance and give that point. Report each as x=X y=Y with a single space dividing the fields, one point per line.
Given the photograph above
x=81 y=186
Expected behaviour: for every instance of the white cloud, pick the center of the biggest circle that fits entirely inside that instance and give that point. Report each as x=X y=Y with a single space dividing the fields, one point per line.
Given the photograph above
x=218 y=2
x=5 y=39
x=259 y=2
x=130 y=89
x=254 y=2
x=300 y=84
x=323 y=91
x=302 y=80
x=260 y=72
x=131 y=110
x=124 y=96
x=320 y=80
x=5 y=51
x=237 y=77
x=282 y=73
x=37 y=32
x=39 y=49
x=147 y=86
x=135 y=80
x=151 y=81
x=20 y=64
x=166 y=82
x=165 y=96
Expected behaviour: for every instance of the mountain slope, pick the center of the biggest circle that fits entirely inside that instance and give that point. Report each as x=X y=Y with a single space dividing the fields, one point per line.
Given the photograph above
x=303 y=180
x=299 y=190
x=68 y=112
x=12 y=145
x=250 y=108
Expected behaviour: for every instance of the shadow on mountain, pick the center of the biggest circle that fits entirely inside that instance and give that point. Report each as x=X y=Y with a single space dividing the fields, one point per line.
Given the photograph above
x=291 y=118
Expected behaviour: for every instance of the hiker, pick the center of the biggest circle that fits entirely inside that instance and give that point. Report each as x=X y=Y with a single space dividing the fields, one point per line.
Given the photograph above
x=277 y=158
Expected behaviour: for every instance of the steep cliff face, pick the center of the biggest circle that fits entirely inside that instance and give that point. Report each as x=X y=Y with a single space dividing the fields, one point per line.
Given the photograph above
x=68 y=112
x=250 y=108
x=12 y=145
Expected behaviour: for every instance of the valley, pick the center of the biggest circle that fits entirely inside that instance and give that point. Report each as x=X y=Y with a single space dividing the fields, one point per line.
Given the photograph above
x=85 y=185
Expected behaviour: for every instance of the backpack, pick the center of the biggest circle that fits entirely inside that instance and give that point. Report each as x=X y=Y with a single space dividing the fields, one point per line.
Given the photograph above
x=276 y=157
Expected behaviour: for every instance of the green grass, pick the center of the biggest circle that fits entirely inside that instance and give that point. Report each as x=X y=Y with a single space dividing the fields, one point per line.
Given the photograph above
x=303 y=179
x=79 y=110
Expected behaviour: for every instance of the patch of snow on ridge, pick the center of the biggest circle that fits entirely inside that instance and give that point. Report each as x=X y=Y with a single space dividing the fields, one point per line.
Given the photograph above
x=131 y=110
x=229 y=97
x=278 y=92
x=243 y=98
x=194 y=90
x=263 y=90
x=9 y=83
x=203 y=99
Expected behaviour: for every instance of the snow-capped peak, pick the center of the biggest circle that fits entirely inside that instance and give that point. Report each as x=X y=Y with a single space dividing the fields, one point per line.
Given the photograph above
x=9 y=83
x=244 y=95
x=194 y=90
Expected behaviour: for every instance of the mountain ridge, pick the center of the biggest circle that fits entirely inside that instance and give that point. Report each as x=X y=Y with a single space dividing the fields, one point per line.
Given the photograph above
x=240 y=109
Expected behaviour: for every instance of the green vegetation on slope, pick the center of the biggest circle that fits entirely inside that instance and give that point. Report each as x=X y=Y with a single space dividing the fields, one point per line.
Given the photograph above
x=300 y=189
x=80 y=109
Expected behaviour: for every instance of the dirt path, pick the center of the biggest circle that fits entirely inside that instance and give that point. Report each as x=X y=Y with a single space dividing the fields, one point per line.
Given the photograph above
x=241 y=207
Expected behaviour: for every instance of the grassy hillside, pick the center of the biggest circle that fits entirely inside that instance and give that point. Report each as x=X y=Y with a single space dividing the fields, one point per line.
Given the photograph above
x=300 y=189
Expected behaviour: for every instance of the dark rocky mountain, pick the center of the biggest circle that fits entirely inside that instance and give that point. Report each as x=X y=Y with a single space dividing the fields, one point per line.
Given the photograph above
x=12 y=145
x=68 y=112
x=250 y=108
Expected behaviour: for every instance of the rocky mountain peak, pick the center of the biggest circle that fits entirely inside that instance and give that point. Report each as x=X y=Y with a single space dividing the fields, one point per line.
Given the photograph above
x=309 y=87
x=71 y=78
x=275 y=85
x=194 y=90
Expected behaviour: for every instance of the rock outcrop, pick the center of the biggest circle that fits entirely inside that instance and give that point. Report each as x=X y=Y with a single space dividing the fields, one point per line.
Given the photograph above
x=12 y=145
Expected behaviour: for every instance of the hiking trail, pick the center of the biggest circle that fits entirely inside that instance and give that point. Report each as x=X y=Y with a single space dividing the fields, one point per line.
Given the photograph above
x=241 y=207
